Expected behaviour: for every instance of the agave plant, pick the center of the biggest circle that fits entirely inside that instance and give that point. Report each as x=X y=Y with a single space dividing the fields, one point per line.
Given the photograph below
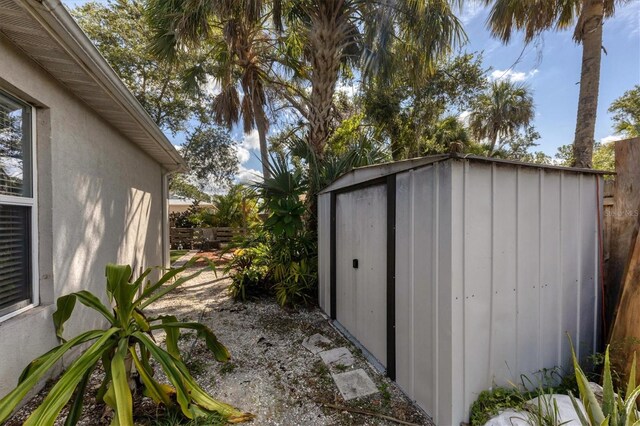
x=124 y=346
x=614 y=410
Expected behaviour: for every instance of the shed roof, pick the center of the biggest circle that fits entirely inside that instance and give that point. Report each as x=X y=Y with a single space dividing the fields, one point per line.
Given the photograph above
x=46 y=32
x=364 y=174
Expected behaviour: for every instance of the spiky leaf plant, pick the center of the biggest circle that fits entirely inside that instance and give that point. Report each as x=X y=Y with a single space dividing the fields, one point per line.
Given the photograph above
x=614 y=409
x=124 y=346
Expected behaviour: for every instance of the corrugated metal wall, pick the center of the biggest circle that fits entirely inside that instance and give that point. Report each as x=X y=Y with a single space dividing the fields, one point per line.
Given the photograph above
x=423 y=287
x=525 y=272
x=495 y=264
x=361 y=291
x=324 y=253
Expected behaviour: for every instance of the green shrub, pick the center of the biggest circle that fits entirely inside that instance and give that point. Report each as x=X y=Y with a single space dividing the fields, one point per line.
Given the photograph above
x=124 y=346
x=614 y=409
x=491 y=402
x=249 y=270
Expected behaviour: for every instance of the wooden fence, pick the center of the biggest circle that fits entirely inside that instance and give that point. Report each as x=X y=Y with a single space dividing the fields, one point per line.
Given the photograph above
x=203 y=238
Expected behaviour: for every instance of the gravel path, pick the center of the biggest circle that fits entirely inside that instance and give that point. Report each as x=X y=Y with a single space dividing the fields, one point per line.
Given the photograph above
x=271 y=374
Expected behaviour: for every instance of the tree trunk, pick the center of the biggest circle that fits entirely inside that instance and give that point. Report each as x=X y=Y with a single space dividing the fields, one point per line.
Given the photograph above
x=327 y=36
x=589 y=32
x=261 y=126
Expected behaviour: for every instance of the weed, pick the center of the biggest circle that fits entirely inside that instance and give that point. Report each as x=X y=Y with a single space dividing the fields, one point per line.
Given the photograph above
x=196 y=366
x=384 y=391
x=227 y=368
x=175 y=418
x=492 y=402
x=341 y=367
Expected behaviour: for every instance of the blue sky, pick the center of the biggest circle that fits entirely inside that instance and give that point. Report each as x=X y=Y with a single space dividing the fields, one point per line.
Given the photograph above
x=551 y=68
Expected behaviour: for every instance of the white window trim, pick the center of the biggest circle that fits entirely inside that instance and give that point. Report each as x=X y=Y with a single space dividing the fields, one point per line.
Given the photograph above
x=33 y=203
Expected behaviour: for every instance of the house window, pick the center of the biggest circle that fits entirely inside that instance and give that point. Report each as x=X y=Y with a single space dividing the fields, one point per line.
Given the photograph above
x=17 y=207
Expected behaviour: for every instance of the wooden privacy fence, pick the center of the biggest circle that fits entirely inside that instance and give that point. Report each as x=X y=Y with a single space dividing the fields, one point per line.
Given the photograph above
x=203 y=238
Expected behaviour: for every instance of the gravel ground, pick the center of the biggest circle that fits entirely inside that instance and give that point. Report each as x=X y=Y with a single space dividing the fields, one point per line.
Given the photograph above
x=270 y=375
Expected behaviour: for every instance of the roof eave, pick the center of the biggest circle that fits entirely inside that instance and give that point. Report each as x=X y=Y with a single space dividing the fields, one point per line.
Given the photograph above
x=60 y=25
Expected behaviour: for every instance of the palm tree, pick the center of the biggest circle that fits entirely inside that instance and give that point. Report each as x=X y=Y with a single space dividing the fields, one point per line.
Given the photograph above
x=323 y=34
x=234 y=34
x=376 y=36
x=586 y=16
x=500 y=112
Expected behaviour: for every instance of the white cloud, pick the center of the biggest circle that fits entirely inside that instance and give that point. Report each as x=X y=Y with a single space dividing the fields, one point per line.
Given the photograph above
x=248 y=146
x=243 y=154
x=349 y=88
x=626 y=19
x=511 y=75
x=463 y=117
x=246 y=175
x=471 y=10
x=251 y=141
x=611 y=138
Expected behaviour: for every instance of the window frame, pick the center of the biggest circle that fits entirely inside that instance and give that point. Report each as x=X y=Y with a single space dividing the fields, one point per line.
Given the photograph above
x=32 y=204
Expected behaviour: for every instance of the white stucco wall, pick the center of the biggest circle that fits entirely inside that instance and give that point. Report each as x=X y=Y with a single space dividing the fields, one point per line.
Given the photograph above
x=100 y=201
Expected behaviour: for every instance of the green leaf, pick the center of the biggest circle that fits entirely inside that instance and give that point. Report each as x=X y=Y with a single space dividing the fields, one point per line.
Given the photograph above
x=140 y=319
x=65 y=305
x=153 y=389
x=90 y=300
x=76 y=407
x=61 y=392
x=630 y=405
x=608 y=397
x=203 y=399
x=167 y=362
x=157 y=295
x=594 y=412
x=173 y=333
x=120 y=384
x=117 y=276
x=219 y=351
x=578 y=410
x=631 y=384
x=164 y=279
x=36 y=370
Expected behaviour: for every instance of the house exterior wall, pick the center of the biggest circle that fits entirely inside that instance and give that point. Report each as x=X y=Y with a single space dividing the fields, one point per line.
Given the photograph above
x=99 y=201
x=495 y=265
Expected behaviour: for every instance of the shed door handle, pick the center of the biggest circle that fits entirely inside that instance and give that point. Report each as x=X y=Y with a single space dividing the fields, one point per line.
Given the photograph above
x=355 y=263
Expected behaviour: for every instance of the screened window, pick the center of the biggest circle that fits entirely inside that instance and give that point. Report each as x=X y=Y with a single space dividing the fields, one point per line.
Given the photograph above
x=16 y=206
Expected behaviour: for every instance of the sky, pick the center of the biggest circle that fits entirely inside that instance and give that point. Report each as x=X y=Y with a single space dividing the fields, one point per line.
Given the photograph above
x=550 y=67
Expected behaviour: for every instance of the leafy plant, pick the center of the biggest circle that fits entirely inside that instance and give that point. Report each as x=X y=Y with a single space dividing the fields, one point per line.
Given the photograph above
x=249 y=269
x=124 y=346
x=492 y=402
x=614 y=410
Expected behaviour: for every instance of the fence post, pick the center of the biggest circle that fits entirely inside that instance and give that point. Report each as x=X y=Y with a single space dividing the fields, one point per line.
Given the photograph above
x=622 y=217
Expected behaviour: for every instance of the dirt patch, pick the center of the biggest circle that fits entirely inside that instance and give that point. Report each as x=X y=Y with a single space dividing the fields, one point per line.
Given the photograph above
x=271 y=374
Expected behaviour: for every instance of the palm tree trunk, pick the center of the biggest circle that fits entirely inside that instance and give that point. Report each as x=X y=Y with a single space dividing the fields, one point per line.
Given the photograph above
x=261 y=126
x=327 y=35
x=589 y=31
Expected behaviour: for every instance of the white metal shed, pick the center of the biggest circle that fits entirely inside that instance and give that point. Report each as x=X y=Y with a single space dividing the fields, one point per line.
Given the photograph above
x=461 y=273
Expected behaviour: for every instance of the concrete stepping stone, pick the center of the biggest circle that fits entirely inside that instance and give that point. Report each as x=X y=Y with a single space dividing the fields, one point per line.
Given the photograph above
x=316 y=343
x=354 y=384
x=337 y=356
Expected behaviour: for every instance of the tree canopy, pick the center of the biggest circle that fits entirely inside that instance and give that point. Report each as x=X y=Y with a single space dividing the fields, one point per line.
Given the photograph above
x=626 y=113
x=122 y=35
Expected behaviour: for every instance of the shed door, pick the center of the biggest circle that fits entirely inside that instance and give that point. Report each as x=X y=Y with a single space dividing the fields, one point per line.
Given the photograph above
x=361 y=289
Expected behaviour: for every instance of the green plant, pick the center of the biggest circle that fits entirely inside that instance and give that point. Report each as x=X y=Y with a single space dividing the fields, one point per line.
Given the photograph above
x=384 y=391
x=249 y=268
x=614 y=410
x=125 y=345
x=491 y=402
